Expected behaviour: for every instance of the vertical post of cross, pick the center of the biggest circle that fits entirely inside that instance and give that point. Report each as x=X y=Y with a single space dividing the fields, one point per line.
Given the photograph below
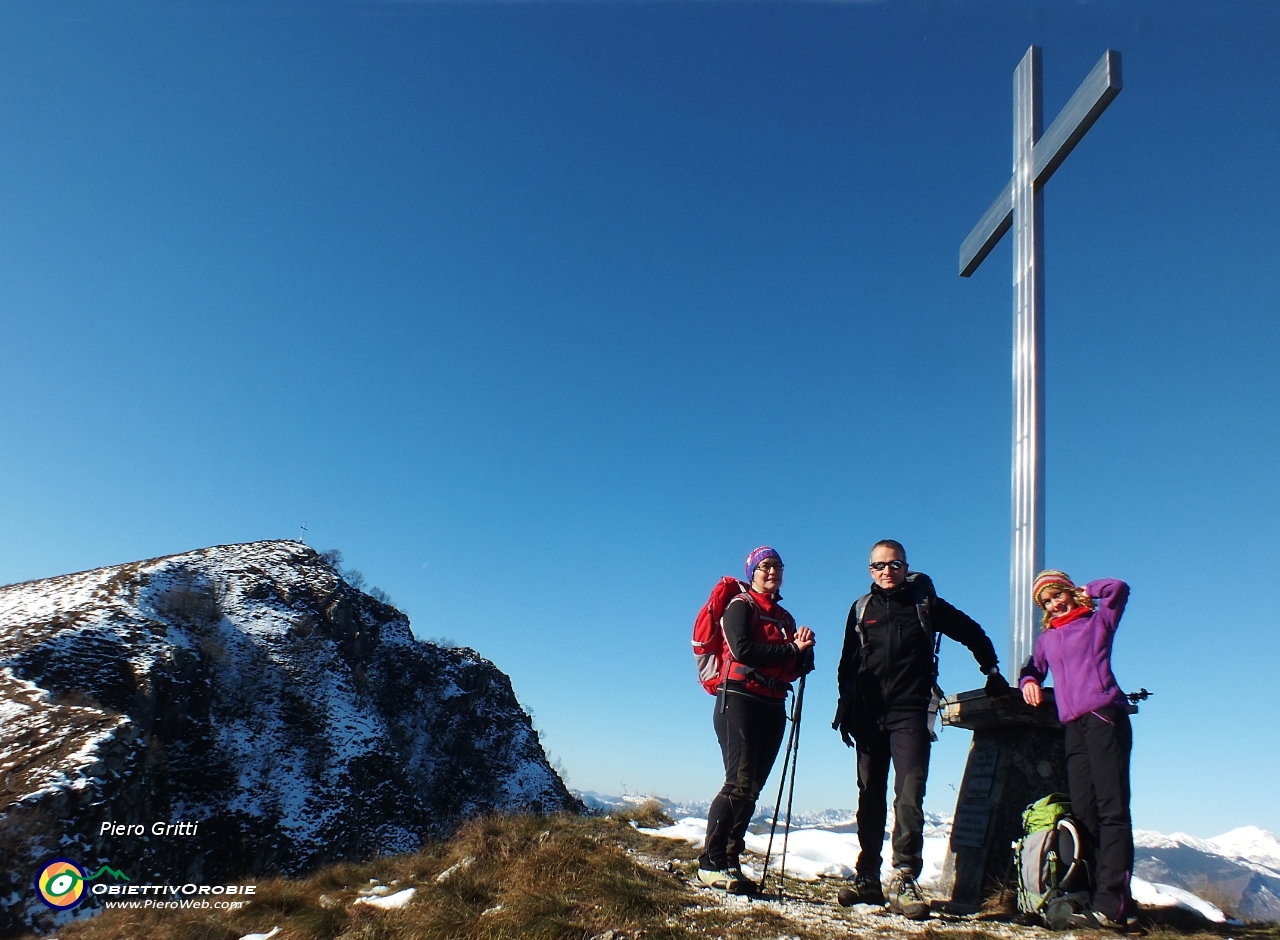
x=1027 y=536
x=1017 y=752
x=1020 y=206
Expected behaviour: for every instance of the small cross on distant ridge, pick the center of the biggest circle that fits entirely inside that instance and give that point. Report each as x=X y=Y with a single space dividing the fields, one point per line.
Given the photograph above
x=303 y=536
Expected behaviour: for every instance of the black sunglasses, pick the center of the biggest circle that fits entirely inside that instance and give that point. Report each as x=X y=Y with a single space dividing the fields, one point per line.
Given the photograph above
x=894 y=565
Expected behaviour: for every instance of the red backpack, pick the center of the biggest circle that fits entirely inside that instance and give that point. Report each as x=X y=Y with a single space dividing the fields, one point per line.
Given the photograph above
x=708 y=634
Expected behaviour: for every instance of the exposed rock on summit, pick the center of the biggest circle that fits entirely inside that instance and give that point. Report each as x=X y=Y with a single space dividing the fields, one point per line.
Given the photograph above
x=252 y=691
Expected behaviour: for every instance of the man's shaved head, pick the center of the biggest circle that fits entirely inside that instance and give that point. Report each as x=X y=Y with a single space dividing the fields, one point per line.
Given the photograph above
x=891 y=543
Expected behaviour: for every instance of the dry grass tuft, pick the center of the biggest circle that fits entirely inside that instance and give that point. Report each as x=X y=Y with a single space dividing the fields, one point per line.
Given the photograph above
x=552 y=878
x=648 y=814
x=753 y=924
x=1001 y=905
x=1168 y=923
x=541 y=878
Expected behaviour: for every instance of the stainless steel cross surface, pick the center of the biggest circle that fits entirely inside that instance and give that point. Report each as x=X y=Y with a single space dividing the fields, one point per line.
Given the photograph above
x=1020 y=205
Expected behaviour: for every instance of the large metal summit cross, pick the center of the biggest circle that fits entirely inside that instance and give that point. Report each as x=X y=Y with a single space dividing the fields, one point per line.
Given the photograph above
x=1021 y=206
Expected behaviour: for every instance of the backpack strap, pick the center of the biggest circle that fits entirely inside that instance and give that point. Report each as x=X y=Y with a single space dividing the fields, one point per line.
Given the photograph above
x=757 y=612
x=743 y=595
x=921 y=587
x=859 y=616
x=923 y=599
x=749 y=672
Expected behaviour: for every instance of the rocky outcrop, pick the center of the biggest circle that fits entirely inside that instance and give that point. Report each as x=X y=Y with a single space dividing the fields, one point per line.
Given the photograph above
x=251 y=691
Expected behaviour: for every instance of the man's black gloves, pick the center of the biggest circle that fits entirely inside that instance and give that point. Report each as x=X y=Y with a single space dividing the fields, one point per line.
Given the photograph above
x=844 y=722
x=996 y=686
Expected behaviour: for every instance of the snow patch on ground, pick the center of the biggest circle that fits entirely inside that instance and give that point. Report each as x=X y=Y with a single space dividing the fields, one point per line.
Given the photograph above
x=390 y=902
x=813 y=853
x=1158 y=895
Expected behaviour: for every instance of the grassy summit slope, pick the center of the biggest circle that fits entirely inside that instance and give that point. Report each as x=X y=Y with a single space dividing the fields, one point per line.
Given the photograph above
x=557 y=878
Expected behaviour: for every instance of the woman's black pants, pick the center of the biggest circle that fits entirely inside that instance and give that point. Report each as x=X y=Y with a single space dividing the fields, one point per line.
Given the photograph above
x=1098 y=749
x=750 y=732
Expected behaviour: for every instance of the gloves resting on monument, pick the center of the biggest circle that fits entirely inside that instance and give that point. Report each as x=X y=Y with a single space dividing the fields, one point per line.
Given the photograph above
x=996 y=686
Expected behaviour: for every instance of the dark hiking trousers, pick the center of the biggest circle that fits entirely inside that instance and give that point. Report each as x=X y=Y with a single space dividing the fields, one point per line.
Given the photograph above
x=904 y=740
x=750 y=733
x=1098 y=748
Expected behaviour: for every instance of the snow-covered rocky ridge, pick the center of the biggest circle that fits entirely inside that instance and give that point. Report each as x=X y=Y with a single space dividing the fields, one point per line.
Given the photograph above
x=250 y=690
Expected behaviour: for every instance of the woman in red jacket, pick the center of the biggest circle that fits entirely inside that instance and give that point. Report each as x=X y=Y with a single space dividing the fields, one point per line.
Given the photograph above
x=765 y=652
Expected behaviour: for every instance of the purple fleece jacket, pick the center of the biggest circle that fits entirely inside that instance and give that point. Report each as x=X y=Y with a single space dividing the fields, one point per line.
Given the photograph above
x=1079 y=655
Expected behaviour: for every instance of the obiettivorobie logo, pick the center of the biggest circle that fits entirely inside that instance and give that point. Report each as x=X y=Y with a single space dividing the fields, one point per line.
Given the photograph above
x=60 y=882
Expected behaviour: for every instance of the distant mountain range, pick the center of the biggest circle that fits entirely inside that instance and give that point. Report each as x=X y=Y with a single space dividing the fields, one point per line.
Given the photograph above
x=1238 y=871
x=833 y=820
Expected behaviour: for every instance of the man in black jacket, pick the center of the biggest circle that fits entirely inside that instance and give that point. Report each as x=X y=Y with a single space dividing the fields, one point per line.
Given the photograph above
x=888 y=674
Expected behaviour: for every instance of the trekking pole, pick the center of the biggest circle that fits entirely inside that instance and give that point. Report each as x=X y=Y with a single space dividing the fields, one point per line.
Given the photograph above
x=773 y=826
x=797 y=712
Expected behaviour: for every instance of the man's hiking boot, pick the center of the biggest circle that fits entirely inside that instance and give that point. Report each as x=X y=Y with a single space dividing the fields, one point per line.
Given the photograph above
x=866 y=890
x=906 y=898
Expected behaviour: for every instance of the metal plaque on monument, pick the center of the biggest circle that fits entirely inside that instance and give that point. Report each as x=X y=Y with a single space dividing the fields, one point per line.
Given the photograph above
x=1017 y=752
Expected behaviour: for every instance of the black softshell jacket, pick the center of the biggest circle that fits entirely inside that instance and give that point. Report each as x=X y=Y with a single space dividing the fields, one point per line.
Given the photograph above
x=898 y=674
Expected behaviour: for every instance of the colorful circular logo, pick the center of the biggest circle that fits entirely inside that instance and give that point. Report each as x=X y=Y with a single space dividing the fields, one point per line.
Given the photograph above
x=60 y=884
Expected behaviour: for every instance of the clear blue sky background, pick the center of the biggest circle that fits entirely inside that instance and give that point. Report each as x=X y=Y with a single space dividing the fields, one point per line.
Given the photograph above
x=546 y=314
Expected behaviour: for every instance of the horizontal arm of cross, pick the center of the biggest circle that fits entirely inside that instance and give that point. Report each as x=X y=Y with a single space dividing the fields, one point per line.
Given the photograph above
x=1097 y=91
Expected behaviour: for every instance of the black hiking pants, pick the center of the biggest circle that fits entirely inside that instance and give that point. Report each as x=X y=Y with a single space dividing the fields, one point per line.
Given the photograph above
x=750 y=732
x=1098 y=749
x=903 y=740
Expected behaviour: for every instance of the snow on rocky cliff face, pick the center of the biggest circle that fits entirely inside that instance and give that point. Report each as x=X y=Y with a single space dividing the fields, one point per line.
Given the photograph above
x=250 y=690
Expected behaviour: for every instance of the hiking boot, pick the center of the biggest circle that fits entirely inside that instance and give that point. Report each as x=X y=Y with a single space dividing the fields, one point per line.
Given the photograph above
x=866 y=890
x=740 y=883
x=715 y=879
x=1122 y=925
x=1061 y=914
x=906 y=898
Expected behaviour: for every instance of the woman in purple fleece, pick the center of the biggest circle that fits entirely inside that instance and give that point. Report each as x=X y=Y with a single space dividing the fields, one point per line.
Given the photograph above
x=1080 y=627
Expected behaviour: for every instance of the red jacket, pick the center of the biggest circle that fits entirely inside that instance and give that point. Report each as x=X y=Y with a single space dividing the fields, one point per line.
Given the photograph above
x=763 y=660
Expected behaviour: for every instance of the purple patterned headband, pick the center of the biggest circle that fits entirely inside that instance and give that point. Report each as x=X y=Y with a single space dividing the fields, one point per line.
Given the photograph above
x=759 y=555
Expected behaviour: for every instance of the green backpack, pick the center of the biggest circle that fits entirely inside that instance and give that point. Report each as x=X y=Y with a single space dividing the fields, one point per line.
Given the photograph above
x=1053 y=878
x=1045 y=812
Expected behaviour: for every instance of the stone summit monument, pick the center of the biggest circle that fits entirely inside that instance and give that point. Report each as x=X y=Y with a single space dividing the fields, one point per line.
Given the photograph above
x=1017 y=751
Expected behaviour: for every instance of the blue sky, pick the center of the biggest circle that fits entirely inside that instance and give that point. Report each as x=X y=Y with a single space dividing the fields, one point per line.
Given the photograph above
x=546 y=314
